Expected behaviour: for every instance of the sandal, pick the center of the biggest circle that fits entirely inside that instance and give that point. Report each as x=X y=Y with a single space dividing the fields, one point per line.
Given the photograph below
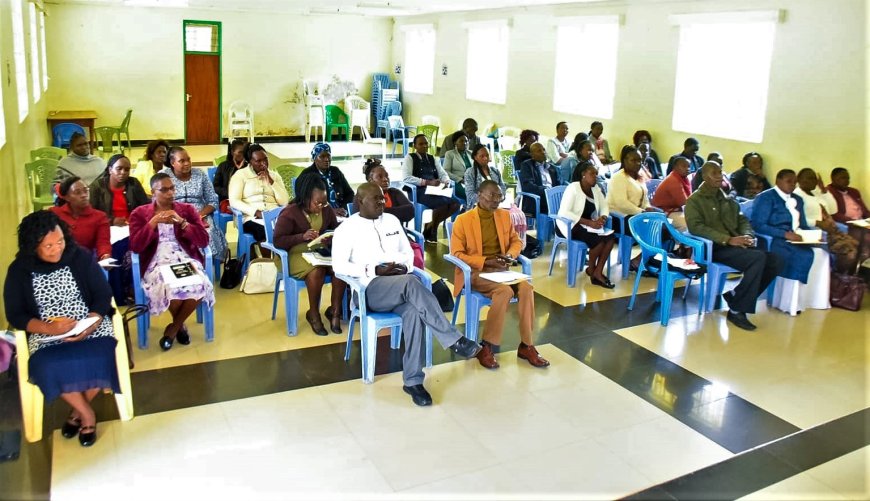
x=316 y=324
x=71 y=427
x=334 y=321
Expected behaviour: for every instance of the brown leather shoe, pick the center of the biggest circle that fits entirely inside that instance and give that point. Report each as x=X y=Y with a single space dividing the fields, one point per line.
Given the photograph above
x=529 y=353
x=486 y=358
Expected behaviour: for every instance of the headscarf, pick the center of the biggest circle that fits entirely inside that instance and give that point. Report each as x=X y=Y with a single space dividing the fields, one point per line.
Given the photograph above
x=320 y=148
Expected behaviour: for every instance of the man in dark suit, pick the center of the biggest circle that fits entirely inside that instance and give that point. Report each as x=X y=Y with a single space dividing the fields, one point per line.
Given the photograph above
x=536 y=175
x=690 y=152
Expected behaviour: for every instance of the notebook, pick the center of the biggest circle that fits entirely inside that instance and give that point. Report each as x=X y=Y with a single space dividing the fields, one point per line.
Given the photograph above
x=180 y=274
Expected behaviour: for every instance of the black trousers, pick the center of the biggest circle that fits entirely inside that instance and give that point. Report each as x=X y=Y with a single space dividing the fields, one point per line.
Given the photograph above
x=759 y=269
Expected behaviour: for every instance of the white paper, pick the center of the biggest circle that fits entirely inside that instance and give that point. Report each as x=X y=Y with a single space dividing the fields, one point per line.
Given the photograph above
x=864 y=223
x=440 y=190
x=80 y=327
x=600 y=231
x=320 y=238
x=809 y=236
x=685 y=264
x=315 y=259
x=109 y=262
x=261 y=221
x=118 y=233
x=506 y=203
x=505 y=277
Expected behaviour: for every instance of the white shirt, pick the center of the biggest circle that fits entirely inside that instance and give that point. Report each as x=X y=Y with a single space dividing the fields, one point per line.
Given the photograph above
x=360 y=244
x=574 y=202
x=556 y=148
x=813 y=204
x=791 y=205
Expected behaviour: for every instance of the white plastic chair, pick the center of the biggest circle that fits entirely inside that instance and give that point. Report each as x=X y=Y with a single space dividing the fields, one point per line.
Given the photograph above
x=315 y=113
x=431 y=120
x=359 y=113
x=241 y=119
x=368 y=139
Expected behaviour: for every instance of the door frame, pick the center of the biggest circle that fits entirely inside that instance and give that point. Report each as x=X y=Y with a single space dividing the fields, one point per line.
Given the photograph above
x=219 y=54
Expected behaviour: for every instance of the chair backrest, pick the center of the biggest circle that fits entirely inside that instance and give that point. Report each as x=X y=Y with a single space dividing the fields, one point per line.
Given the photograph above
x=269 y=218
x=506 y=157
x=47 y=152
x=219 y=160
x=40 y=174
x=431 y=133
x=289 y=173
x=393 y=108
x=509 y=132
x=106 y=138
x=554 y=198
x=335 y=115
x=125 y=124
x=431 y=120
x=396 y=122
x=240 y=110
x=62 y=132
x=746 y=208
x=651 y=186
x=646 y=228
x=211 y=172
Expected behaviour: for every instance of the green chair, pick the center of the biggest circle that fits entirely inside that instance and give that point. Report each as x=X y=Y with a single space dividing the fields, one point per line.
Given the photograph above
x=336 y=118
x=40 y=175
x=106 y=140
x=125 y=128
x=431 y=133
x=219 y=160
x=47 y=152
x=507 y=167
x=288 y=173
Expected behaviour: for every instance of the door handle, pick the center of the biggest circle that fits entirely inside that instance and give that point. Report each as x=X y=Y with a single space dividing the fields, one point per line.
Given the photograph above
x=188 y=96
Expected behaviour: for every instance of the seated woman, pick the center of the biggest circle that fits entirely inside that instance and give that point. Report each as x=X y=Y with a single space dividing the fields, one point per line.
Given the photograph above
x=256 y=188
x=753 y=165
x=422 y=169
x=456 y=162
x=89 y=227
x=672 y=193
x=627 y=192
x=528 y=137
x=396 y=203
x=234 y=162
x=338 y=191
x=649 y=163
x=170 y=232
x=117 y=194
x=602 y=148
x=586 y=206
x=48 y=266
x=778 y=213
x=819 y=203
x=480 y=172
x=79 y=162
x=151 y=162
x=300 y=222
x=850 y=206
x=193 y=187
x=643 y=136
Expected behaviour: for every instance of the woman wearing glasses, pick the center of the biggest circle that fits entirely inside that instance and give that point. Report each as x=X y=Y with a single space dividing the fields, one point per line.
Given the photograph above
x=301 y=221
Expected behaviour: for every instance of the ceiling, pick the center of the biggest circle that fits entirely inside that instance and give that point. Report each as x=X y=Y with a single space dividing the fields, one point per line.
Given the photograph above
x=376 y=8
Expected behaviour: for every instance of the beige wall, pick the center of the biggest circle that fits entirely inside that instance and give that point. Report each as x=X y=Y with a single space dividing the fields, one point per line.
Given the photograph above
x=110 y=59
x=815 y=114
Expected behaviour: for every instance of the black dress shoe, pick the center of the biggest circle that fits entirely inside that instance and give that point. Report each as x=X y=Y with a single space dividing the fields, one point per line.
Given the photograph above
x=728 y=297
x=165 y=343
x=607 y=284
x=88 y=435
x=334 y=322
x=740 y=320
x=316 y=324
x=183 y=337
x=71 y=427
x=465 y=348
x=418 y=394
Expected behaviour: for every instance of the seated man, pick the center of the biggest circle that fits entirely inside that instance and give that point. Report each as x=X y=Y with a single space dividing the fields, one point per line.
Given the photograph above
x=371 y=246
x=536 y=175
x=690 y=152
x=850 y=206
x=485 y=239
x=469 y=127
x=712 y=215
x=557 y=147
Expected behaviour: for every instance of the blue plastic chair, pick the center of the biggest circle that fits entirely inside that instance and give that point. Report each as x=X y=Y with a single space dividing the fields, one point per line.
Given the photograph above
x=411 y=191
x=576 y=249
x=219 y=217
x=474 y=300
x=651 y=186
x=246 y=240
x=647 y=229
x=203 y=313
x=211 y=172
x=625 y=241
x=717 y=273
x=401 y=133
x=61 y=134
x=540 y=222
x=372 y=322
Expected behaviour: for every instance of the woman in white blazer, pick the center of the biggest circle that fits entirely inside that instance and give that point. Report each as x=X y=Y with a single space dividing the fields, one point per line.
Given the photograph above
x=586 y=206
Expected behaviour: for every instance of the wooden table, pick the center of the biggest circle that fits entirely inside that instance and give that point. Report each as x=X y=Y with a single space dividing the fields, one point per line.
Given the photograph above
x=85 y=118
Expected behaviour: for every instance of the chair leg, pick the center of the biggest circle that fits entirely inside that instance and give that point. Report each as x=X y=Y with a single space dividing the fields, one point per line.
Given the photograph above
x=456 y=306
x=209 y=323
x=634 y=290
x=124 y=399
x=369 y=344
x=667 y=296
x=291 y=307
x=275 y=296
x=428 y=348
x=347 y=346
x=396 y=337
x=472 y=317
x=553 y=257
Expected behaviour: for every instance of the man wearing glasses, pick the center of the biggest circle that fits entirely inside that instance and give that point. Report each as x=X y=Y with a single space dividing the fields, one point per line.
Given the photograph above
x=486 y=240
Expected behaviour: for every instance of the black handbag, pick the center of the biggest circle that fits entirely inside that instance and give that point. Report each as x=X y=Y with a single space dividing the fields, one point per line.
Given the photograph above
x=231 y=276
x=847 y=291
x=533 y=247
x=442 y=293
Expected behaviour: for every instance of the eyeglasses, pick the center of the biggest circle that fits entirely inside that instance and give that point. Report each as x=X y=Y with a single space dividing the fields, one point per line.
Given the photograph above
x=319 y=203
x=495 y=197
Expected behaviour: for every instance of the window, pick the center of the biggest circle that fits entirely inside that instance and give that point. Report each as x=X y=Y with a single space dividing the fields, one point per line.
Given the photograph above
x=18 y=52
x=726 y=96
x=419 y=58
x=585 y=86
x=486 y=70
x=201 y=37
x=34 y=56
x=43 y=58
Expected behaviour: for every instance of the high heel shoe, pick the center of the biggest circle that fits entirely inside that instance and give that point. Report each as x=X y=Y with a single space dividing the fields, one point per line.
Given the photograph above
x=71 y=426
x=334 y=321
x=88 y=435
x=316 y=324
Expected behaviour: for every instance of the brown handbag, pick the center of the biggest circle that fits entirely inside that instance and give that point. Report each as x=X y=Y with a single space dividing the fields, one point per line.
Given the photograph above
x=847 y=291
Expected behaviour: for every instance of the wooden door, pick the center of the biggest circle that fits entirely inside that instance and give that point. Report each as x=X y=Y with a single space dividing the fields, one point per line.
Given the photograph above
x=202 y=106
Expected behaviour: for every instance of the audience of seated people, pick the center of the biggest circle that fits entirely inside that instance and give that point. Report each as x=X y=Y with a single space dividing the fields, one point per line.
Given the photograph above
x=79 y=162
x=585 y=205
x=421 y=169
x=88 y=227
x=371 y=246
x=528 y=137
x=643 y=136
x=627 y=193
x=602 y=148
x=536 y=175
x=456 y=162
x=116 y=194
x=690 y=151
x=167 y=232
x=192 y=186
x=749 y=180
x=235 y=161
x=484 y=238
x=338 y=190
x=255 y=189
x=805 y=275
x=469 y=129
x=819 y=204
x=850 y=205
x=672 y=193
x=300 y=222
x=557 y=147
x=49 y=265
x=713 y=215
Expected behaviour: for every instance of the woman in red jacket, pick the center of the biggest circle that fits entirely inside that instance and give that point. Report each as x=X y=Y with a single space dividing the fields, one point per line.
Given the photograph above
x=89 y=226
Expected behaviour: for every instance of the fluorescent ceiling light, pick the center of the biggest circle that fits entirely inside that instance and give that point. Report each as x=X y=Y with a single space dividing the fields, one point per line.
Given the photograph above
x=156 y=3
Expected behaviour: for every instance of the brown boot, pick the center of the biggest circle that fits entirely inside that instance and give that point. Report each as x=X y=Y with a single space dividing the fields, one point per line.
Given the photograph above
x=486 y=357
x=528 y=352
